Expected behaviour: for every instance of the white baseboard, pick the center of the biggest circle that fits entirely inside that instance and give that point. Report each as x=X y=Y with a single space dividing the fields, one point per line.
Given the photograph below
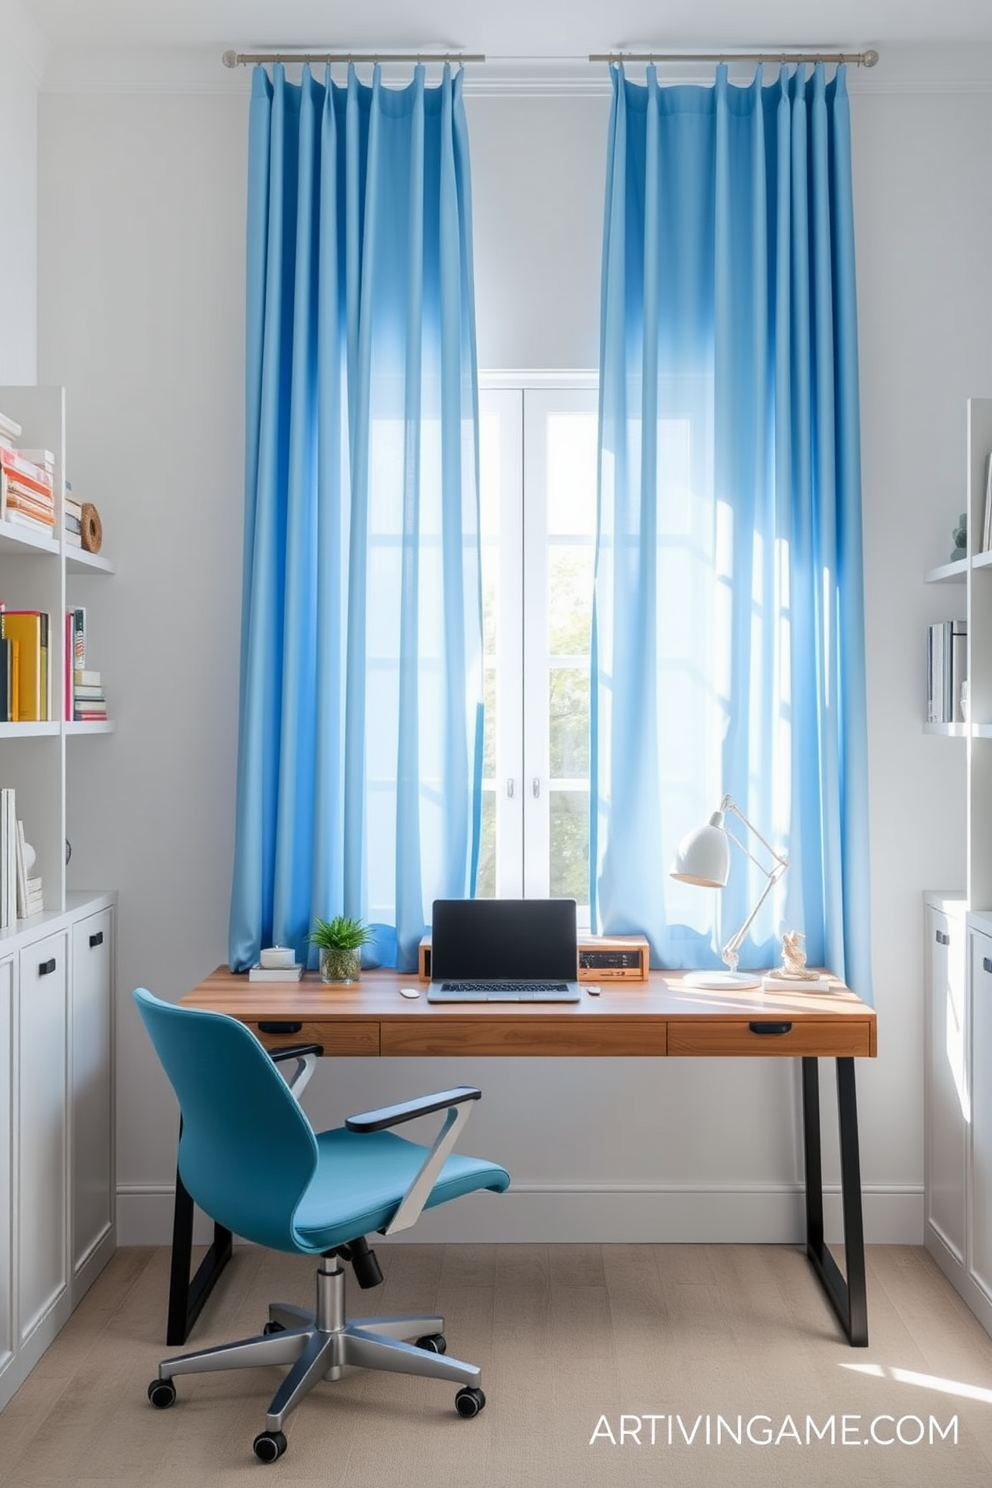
x=770 y=1215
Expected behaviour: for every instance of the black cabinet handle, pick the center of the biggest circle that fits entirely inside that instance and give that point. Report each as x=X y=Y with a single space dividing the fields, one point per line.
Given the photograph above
x=45 y=967
x=280 y=1027
x=773 y=1030
x=943 y=938
x=986 y=964
x=96 y=940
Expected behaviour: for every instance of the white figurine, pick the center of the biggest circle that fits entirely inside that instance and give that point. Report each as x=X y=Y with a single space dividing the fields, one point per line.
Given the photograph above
x=794 y=966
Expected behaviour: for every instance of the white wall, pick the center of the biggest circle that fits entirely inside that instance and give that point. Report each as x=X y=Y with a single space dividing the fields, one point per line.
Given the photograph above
x=140 y=293
x=23 y=54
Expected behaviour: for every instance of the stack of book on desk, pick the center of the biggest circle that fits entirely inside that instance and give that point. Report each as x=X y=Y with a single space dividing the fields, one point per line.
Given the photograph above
x=259 y=973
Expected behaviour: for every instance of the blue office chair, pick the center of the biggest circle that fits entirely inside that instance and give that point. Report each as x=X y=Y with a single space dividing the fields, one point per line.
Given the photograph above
x=250 y=1158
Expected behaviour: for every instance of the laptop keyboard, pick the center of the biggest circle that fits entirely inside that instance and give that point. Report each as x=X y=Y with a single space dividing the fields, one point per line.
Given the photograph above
x=495 y=988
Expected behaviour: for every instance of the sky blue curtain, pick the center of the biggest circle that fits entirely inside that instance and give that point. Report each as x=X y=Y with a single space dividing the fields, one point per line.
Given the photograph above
x=728 y=651
x=359 y=763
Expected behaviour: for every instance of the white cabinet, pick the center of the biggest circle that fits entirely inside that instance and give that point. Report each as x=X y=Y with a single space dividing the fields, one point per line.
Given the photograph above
x=41 y=1147
x=6 y=1165
x=947 y=1097
x=958 y=1125
x=979 y=1255
x=57 y=1169
x=91 y=1087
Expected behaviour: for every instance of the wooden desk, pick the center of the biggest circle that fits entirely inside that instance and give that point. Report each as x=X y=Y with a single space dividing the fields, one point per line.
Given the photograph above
x=660 y=1018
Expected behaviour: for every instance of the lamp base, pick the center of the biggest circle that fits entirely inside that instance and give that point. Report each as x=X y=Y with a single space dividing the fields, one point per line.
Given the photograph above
x=721 y=981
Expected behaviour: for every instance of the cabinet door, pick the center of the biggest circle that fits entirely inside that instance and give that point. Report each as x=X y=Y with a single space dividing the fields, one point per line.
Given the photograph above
x=947 y=1099
x=6 y=1173
x=42 y=1048
x=91 y=1084
x=980 y=1262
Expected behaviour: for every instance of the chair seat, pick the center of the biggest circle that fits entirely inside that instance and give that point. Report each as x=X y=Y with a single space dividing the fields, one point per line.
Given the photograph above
x=361 y=1177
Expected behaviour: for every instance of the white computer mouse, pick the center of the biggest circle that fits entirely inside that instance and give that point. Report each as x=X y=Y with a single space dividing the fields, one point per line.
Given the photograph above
x=409 y=991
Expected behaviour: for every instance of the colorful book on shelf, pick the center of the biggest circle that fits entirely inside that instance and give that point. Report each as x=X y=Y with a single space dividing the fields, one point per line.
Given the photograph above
x=79 y=638
x=30 y=629
x=7 y=647
x=16 y=463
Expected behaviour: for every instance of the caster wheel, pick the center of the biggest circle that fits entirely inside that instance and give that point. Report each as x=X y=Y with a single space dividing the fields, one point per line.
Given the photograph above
x=274 y=1328
x=469 y=1401
x=269 y=1445
x=162 y=1393
x=434 y=1343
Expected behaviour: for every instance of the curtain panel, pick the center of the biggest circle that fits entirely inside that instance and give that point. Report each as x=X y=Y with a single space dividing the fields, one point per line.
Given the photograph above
x=359 y=763
x=728 y=651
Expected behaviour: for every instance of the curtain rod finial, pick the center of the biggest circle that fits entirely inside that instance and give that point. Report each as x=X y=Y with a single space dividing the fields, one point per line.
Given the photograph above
x=870 y=57
x=230 y=59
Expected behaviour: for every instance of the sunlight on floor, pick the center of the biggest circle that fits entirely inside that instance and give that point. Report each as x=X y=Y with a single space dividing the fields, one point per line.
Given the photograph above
x=928 y=1381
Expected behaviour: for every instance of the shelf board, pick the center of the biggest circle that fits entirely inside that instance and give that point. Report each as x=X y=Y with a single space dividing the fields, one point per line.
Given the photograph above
x=948 y=573
x=29 y=730
x=951 y=730
x=77 y=560
x=16 y=538
x=90 y=726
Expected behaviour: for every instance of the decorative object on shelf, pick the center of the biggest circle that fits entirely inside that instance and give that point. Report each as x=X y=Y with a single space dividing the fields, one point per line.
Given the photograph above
x=703 y=858
x=959 y=537
x=91 y=528
x=340 y=942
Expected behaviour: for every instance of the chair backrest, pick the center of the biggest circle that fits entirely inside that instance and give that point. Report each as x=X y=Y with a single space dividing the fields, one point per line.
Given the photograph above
x=247 y=1152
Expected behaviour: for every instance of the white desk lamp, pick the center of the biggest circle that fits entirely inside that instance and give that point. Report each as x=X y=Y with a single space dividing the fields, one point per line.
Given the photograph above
x=703 y=858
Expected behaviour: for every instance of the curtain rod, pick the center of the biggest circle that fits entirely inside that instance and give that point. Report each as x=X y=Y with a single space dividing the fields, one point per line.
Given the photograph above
x=242 y=59
x=861 y=59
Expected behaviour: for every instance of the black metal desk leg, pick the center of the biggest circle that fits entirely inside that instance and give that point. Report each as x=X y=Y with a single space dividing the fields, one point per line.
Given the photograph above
x=848 y=1297
x=187 y=1294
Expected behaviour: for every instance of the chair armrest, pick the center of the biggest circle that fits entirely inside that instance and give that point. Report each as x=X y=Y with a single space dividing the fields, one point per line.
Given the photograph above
x=306 y=1056
x=457 y=1106
x=386 y=1116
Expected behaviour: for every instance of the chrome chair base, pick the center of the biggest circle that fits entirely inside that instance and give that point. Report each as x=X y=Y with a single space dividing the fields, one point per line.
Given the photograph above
x=324 y=1344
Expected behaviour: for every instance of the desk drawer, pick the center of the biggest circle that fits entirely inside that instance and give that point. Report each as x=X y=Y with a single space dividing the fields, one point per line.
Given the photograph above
x=845 y=1037
x=512 y=1037
x=337 y=1038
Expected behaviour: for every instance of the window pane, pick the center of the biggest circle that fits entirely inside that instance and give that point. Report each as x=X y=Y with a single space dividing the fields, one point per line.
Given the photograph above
x=570 y=845
x=571 y=473
x=568 y=703
x=570 y=600
x=485 y=884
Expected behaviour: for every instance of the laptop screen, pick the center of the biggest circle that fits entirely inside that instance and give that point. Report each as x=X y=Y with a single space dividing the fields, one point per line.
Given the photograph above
x=504 y=939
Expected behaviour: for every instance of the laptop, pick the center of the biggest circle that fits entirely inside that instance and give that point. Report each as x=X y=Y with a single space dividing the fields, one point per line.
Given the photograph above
x=504 y=950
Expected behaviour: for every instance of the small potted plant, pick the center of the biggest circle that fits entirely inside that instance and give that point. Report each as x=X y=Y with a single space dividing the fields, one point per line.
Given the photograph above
x=340 y=942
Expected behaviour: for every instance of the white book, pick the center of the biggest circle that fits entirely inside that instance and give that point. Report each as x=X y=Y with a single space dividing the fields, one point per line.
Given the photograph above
x=258 y=973
x=9 y=428
x=795 y=984
x=4 y=833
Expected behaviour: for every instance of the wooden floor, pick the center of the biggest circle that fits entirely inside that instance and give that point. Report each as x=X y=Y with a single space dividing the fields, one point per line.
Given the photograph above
x=576 y=1344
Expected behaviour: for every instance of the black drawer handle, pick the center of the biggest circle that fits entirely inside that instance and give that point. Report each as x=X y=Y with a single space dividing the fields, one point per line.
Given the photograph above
x=772 y=1030
x=986 y=964
x=280 y=1027
x=943 y=938
x=96 y=940
x=45 y=967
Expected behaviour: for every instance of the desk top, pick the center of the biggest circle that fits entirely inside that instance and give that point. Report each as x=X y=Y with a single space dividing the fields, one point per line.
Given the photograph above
x=652 y=1018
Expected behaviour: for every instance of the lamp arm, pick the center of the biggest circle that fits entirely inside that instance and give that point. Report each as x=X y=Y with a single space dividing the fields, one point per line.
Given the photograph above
x=730 y=952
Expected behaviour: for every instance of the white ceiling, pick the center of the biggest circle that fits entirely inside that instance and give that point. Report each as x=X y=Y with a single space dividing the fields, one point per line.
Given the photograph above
x=509 y=28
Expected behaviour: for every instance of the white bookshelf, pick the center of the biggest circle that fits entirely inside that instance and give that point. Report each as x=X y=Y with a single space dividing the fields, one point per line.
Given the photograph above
x=45 y=573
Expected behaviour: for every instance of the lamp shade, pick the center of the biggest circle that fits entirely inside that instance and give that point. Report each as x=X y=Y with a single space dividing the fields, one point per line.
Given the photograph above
x=703 y=856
